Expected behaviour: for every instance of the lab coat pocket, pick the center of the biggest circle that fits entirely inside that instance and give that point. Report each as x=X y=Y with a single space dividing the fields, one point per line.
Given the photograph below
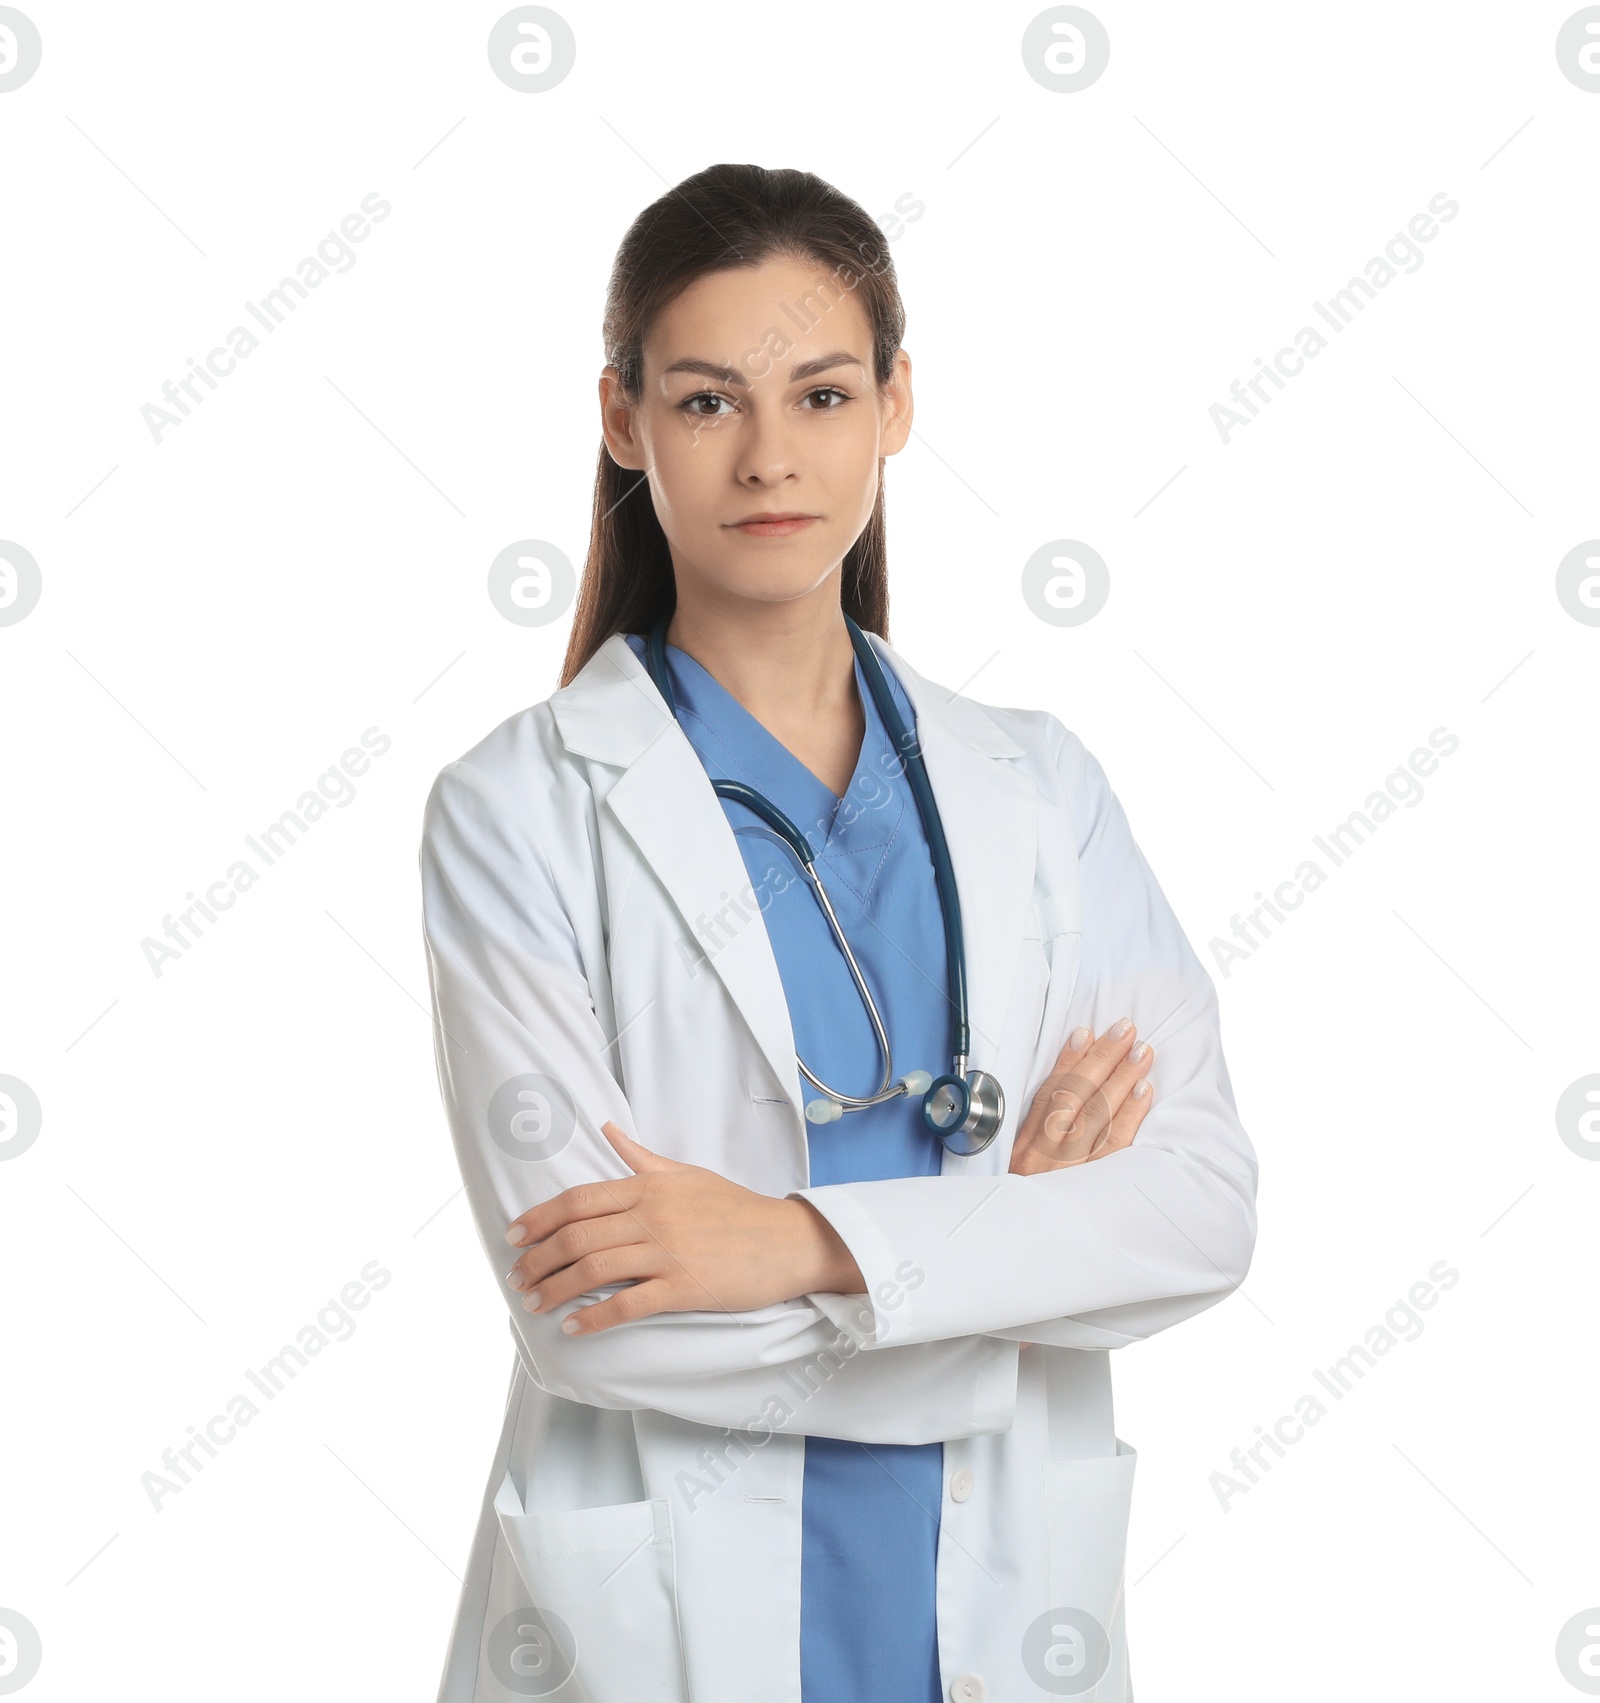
x=1063 y=954
x=1087 y=1503
x=605 y=1583
x=1056 y=914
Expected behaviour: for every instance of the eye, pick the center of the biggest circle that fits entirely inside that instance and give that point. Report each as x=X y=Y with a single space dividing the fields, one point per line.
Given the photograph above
x=831 y=390
x=691 y=405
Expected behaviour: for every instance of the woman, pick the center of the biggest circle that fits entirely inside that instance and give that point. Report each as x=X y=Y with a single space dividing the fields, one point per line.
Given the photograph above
x=771 y=1430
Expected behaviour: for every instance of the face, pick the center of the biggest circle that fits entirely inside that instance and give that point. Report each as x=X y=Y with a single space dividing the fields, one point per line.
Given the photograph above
x=760 y=426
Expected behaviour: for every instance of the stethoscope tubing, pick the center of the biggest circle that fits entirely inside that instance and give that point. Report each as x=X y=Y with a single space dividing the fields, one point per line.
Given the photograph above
x=979 y=1104
x=907 y=744
x=801 y=847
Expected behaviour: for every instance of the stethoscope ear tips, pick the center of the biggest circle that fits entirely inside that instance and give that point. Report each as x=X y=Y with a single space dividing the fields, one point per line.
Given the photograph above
x=965 y=1113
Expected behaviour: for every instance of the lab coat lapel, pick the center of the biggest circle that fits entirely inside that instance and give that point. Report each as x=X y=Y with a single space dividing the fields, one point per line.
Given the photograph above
x=990 y=811
x=612 y=712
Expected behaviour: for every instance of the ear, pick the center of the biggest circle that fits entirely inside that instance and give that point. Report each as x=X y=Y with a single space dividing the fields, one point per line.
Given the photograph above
x=897 y=408
x=619 y=423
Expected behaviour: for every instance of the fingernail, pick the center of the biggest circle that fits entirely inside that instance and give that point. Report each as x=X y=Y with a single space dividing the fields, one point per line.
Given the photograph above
x=1140 y=1052
x=531 y=1300
x=516 y=1235
x=1079 y=1039
x=1141 y=1087
x=515 y=1278
x=570 y=1324
x=1122 y=1028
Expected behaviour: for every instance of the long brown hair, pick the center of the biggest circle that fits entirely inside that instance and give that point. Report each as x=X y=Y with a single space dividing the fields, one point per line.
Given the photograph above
x=723 y=217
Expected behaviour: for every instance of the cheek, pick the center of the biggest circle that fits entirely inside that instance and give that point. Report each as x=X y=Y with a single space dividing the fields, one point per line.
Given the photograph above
x=688 y=470
x=846 y=462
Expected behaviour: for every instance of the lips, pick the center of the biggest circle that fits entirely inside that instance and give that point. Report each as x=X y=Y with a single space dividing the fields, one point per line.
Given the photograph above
x=774 y=525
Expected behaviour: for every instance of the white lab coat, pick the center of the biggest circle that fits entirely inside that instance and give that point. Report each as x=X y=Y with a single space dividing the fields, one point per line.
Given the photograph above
x=589 y=925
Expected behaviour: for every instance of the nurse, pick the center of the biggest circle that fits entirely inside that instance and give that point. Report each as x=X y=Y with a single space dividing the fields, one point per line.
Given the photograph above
x=870 y=1513
x=754 y=387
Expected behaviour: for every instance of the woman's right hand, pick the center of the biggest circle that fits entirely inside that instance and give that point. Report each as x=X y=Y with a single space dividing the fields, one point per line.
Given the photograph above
x=1090 y=1105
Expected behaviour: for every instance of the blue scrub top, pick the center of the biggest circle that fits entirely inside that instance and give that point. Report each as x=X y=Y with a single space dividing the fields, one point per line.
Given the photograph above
x=870 y=1525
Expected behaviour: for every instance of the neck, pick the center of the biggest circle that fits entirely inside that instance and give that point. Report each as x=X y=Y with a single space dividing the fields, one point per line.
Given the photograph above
x=786 y=663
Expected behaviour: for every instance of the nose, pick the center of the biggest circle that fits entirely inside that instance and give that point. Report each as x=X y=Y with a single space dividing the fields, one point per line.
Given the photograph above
x=767 y=454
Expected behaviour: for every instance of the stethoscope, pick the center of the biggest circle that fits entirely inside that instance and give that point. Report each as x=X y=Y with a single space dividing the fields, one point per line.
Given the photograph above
x=963 y=1109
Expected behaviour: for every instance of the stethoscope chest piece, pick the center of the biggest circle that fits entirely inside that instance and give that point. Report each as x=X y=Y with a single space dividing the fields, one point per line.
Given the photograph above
x=965 y=1115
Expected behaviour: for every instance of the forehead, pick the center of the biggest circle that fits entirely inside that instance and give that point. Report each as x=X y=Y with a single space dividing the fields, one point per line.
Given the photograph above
x=784 y=305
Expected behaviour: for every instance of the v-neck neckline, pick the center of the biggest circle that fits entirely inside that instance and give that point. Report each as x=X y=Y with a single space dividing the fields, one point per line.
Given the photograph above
x=873 y=733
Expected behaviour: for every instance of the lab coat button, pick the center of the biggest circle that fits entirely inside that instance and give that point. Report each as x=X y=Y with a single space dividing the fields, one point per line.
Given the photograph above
x=961 y=1484
x=966 y=1688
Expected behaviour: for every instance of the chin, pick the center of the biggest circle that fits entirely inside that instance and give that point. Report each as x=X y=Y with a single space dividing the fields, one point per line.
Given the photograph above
x=786 y=584
x=769 y=571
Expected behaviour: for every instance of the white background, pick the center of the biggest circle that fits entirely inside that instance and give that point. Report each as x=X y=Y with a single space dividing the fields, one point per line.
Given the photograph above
x=225 y=1146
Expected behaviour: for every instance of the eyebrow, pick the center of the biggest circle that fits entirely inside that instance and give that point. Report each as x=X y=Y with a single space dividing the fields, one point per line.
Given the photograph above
x=806 y=369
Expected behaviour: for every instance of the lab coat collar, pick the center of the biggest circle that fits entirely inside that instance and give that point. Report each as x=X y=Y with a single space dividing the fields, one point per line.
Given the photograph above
x=612 y=713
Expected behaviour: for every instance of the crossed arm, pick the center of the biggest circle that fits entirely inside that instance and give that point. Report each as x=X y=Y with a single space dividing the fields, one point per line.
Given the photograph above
x=684 y=1238
x=723 y=1297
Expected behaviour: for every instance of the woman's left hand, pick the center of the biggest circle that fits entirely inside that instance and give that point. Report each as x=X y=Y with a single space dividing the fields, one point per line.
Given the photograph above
x=685 y=1238
x=1091 y=1104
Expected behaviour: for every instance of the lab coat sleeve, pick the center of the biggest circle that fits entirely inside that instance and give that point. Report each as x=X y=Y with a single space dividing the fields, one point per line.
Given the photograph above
x=1103 y=1254
x=511 y=1000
